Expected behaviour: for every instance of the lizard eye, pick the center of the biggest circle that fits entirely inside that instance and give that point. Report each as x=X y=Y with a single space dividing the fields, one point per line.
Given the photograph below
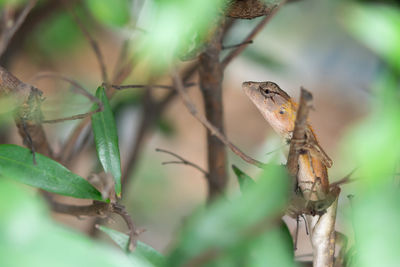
x=282 y=111
x=267 y=91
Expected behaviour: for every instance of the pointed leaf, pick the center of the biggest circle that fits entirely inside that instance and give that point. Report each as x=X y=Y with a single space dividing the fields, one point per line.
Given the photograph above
x=106 y=139
x=17 y=163
x=224 y=225
x=142 y=250
x=27 y=229
x=244 y=180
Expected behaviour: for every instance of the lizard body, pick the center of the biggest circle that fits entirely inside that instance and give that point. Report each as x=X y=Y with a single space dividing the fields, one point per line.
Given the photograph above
x=278 y=108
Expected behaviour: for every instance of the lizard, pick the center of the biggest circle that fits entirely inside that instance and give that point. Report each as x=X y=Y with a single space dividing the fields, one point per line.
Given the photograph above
x=279 y=110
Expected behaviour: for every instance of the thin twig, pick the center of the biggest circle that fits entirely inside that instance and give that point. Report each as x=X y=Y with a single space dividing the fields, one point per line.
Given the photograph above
x=345 y=180
x=9 y=33
x=149 y=86
x=214 y=131
x=120 y=210
x=76 y=87
x=181 y=161
x=251 y=36
x=98 y=209
x=296 y=235
x=305 y=223
x=93 y=43
x=237 y=45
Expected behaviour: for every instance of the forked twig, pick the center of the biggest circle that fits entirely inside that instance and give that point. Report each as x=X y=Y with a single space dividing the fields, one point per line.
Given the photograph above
x=98 y=208
x=181 y=161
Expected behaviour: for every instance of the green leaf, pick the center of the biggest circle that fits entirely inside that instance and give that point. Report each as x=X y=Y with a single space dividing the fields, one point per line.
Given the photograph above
x=225 y=226
x=177 y=28
x=142 y=250
x=378 y=28
x=17 y=163
x=112 y=13
x=244 y=180
x=26 y=229
x=57 y=33
x=106 y=139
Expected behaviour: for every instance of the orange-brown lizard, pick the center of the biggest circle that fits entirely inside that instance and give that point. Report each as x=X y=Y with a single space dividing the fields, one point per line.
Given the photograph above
x=280 y=111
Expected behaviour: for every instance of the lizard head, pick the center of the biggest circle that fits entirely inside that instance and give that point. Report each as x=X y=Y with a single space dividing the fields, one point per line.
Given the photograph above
x=274 y=104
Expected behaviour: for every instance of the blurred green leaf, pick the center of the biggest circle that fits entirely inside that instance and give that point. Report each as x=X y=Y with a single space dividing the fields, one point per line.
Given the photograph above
x=244 y=180
x=226 y=225
x=142 y=250
x=17 y=163
x=57 y=33
x=29 y=238
x=112 y=13
x=373 y=144
x=12 y=2
x=106 y=139
x=273 y=248
x=177 y=27
x=378 y=28
x=261 y=57
x=376 y=216
x=166 y=126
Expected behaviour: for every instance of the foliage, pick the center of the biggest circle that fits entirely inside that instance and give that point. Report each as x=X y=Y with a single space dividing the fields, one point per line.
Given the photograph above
x=374 y=143
x=106 y=139
x=17 y=163
x=28 y=237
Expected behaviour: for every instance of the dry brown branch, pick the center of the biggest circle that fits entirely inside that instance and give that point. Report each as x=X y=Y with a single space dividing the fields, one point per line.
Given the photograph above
x=210 y=78
x=237 y=45
x=181 y=161
x=323 y=237
x=98 y=209
x=148 y=86
x=298 y=140
x=9 y=31
x=193 y=110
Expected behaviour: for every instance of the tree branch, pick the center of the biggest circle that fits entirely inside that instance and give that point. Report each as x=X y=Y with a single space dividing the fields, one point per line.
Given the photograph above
x=149 y=86
x=9 y=32
x=323 y=237
x=214 y=131
x=298 y=140
x=181 y=161
x=98 y=209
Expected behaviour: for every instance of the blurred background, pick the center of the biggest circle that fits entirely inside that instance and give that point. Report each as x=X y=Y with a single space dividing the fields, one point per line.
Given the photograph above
x=332 y=48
